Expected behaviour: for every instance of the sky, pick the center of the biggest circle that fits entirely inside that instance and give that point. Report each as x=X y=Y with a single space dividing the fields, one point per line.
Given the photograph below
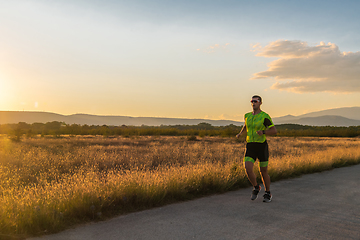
x=179 y=59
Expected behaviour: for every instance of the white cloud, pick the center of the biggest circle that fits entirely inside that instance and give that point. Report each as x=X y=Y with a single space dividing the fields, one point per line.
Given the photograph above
x=303 y=68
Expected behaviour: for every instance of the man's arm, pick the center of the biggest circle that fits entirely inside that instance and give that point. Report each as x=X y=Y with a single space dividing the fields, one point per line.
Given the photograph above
x=242 y=131
x=271 y=131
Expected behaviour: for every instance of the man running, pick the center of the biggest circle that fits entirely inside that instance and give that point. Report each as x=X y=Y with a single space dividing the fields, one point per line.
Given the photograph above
x=258 y=124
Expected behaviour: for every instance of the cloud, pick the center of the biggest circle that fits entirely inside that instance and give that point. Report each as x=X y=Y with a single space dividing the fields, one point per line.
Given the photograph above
x=225 y=116
x=255 y=47
x=303 y=68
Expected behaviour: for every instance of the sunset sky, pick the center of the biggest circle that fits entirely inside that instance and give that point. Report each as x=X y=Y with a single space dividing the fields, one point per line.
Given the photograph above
x=179 y=59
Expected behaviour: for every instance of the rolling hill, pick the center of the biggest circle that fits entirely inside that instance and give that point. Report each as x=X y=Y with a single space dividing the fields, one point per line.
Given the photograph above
x=327 y=120
x=347 y=112
x=339 y=117
x=331 y=117
x=81 y=119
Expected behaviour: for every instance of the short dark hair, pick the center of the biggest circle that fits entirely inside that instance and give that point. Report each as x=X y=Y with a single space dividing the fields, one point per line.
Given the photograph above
x=257 y=96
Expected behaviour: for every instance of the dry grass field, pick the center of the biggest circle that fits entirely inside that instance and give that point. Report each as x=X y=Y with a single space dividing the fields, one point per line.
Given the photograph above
x=48 y=184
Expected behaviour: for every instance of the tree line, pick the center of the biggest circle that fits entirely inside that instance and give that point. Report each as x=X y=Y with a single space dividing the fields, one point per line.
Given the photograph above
x=22 y=129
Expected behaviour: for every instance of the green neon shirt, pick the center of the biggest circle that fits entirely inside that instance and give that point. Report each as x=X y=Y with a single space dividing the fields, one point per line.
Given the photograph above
x=260 y=121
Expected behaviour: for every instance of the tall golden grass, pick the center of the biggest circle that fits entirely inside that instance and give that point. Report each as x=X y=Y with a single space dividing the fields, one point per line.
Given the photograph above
x=49 y=184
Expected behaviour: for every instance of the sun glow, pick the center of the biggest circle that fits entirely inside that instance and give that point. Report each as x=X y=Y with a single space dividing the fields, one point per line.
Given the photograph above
x=5 y=92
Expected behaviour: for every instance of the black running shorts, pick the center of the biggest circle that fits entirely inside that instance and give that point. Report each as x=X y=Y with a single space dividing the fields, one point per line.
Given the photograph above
x=255 y=150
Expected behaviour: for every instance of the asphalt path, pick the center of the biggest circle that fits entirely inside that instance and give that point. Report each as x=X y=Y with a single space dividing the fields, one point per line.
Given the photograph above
x=316 y=206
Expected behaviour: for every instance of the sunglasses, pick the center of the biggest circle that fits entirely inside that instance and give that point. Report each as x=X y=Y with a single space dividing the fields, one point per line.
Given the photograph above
x=255 y=101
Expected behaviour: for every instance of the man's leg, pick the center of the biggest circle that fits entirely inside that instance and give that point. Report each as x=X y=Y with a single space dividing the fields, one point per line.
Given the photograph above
x=249 y=167
x=265 y=178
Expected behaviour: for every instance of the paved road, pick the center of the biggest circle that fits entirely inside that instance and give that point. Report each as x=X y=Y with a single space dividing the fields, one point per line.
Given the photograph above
x=318 y=206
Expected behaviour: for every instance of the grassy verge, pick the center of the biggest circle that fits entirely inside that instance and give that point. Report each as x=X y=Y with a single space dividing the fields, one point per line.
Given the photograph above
x=47 y=185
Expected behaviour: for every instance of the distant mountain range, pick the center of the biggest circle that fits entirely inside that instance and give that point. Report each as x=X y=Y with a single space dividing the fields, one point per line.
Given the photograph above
x=332 y=117
x=340 y=117
x=43 y=117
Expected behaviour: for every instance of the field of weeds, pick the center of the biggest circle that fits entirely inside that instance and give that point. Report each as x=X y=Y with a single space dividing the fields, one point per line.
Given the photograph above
x=48 y=184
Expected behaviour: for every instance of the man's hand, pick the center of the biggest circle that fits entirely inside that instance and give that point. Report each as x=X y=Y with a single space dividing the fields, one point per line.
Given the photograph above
x=260 y=132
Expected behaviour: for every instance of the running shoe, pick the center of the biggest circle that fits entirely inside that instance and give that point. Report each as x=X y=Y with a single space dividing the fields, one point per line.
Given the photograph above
x=267 y=197
x=255 y=193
